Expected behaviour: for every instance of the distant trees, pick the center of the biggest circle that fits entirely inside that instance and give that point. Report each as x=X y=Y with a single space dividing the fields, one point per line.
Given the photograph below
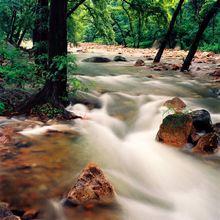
x=207 y=18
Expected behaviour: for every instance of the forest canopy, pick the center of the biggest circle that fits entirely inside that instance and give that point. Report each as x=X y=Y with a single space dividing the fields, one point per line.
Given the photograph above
x=132 y=23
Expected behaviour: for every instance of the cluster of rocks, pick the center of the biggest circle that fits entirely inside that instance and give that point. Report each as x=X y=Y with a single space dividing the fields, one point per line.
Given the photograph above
x=194 y=128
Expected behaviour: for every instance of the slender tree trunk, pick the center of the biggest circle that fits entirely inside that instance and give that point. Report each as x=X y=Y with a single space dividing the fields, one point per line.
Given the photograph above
x=75 y=7
x=169 y=32
x=207 y=18
x=121 y=31
x=10 y=36
x=139 y=30
x=130 y=23
x=12 y=24
x=21 y=37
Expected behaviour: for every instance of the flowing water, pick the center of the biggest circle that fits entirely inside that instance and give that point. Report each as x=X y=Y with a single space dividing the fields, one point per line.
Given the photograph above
x=152 y=181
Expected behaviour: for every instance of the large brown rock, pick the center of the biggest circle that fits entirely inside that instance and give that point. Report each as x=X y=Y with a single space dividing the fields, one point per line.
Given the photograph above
x=175 y=130
x=176 y=104
x=207 y=144
x=92 y=187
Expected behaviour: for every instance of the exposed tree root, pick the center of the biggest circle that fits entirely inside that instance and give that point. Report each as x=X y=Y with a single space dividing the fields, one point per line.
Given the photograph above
x=40 y=99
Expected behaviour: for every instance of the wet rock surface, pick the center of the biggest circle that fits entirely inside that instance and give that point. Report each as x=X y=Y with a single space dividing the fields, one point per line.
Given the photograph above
x=120 y=59
x=91 y=188
x=97 y=60
x=176 y=104
x=202 y=120
x=194 y=128
x=6 y=213
x=175 y=130
x=139 y=62
x=207 y=144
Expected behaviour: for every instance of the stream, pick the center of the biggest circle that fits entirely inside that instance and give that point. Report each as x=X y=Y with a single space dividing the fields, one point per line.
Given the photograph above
x=152 y=181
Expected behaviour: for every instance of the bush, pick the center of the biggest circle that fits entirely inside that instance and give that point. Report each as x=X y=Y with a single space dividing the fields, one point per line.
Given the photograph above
x=16 y=68
x=211 y=47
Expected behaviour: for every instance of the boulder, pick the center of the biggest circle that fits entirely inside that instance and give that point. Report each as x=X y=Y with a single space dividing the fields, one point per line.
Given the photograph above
x=202 y=120
x=176 y=104
x=139 y=62
x=175 y=130
x=97 y=60
x=207 y=144
x=91 y=188
x=120 y=58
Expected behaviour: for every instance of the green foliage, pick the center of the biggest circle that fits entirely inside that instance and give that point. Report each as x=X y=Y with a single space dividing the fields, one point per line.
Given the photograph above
x=2 y=108
x=77 y=85
x=139 y=23
x=47 y=110
x=16 y=69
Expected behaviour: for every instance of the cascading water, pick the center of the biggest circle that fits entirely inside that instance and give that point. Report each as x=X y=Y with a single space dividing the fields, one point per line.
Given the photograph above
x=152 y=181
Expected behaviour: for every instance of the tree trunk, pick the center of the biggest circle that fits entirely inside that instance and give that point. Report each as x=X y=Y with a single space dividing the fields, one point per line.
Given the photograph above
x=55 y=88
x=211 y=13
x=121 y=31
x=21 y=37
x=11 y=34
x=139 y=30
x=40 y=33
x=169 y=32
x=130 y=23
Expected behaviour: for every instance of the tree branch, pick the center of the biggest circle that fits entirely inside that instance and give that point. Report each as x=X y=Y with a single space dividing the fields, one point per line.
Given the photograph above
x=75 y=7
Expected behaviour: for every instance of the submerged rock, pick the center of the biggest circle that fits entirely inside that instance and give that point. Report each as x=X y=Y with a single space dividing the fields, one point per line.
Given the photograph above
x=176 y=104
x=91 y=188
x=87 y=99
x=175 y=130
x=120 y=58
x=139 y=62
x=207 y=144
x=97 y=60
x=5 y=212
x=202 y=120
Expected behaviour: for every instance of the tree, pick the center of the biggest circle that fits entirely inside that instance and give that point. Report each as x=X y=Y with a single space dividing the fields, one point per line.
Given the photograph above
x=40 y=32
x=207 y=18
x=55 y=88
x=169 y=32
